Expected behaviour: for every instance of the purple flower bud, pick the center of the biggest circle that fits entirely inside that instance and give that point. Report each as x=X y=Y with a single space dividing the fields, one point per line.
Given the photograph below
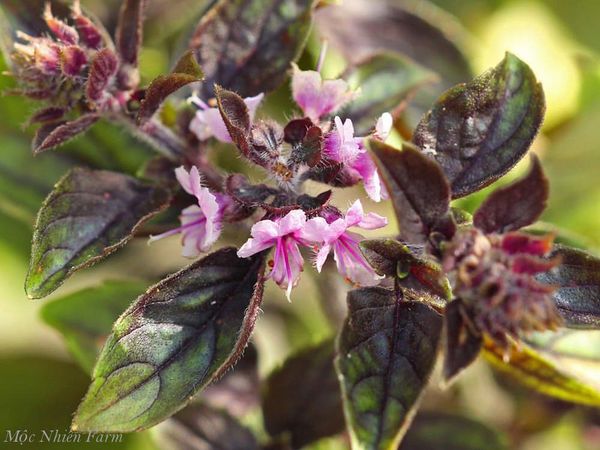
x=63 y=32
x=88 y=32
x=73 y=60
x=102 y=71
x=494 y=275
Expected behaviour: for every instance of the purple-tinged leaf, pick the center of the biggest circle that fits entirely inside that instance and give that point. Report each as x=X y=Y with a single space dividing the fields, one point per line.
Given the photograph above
x=479 y=130
x=463 y=341
x=48 y=114
x=202 y=427
x=183 y=333
x=89 y=215
x=102 y=71
x=248 y=46
x=128 y=35
x=237 y=120
x=313 y=403
x=185 y=72
x=418 y=189
x=53 y=134
x=515 y=206
x=386 y=353
x=577 y=278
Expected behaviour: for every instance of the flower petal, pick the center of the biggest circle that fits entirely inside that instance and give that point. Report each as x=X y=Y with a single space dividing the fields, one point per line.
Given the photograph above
x=253 y=246
x=315 y=230
x=383 y=127
x=367 y=169
x=322 y=256
x=292 y=222
x=253 y=103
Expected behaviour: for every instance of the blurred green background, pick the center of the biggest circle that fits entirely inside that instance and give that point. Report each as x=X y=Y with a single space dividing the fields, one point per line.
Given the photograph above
x=40 y=385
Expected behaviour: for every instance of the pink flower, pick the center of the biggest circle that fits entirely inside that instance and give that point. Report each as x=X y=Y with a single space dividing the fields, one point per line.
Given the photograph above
x=317 y=97
x=341 y=146
x=335 y=236
x=285 y=234
x=200 y=224
x=209 y=123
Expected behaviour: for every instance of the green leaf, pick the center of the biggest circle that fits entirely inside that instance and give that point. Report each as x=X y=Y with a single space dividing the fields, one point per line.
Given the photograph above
x=515 y=206
x=247 y=46
x=180 y=335
x=200 y=427
x=435 y=431
x=89 y=215
x=85 y=317
x=418 y=189
x=186 y=71
x=463 y=341
x=386 y=352
x=387 y=81
x=538 y=372
x=479 y=130
x=578 y=282
x=303 y=397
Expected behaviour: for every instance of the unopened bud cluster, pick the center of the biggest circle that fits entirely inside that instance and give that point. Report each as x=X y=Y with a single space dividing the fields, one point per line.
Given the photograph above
x=74 y=66
x=494 y=275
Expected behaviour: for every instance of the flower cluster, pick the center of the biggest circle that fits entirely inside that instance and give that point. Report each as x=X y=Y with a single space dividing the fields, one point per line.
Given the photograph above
x=292 y=220
x=74 y=67
x=494 y=275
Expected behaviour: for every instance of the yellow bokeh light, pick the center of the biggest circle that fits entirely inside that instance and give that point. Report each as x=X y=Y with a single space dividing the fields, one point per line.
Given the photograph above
x=530 y=31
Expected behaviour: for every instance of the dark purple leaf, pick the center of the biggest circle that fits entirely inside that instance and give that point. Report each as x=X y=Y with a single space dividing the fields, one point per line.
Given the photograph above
x=302 y=398
x=463 y=341
x=130 y=30
x=185 y=72
x=578 y=287
x=386 y=353
x=89 y=215
x=48 y=114
x=53 y=134
x=418 y=189
x=183 y=333
x=247 y=46
x=479 y=130
x=515 y=206
x=259 y=143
